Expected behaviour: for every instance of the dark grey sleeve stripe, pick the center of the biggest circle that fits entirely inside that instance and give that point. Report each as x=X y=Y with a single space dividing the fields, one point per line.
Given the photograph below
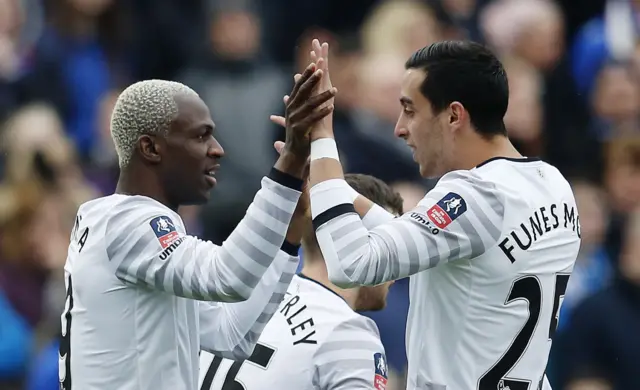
x=345 y=360
x=128 y=268
x=491 y=196
x=276 y=212
x=252 y=251
x=475 y=208
x=412 y=249
x=264 y=317
x=261 y=230
x=453 y=243
x=238 y=269
x=344 y=230
x=364 y=343
x=178 y=286
x=277 y=298
x=432 y=249
x=159 y=275
x=349 y=364
x=475 y=240
x=487 y=224
x=344 y=227
x=353 y=246
x=332 y=376
x=391 y=249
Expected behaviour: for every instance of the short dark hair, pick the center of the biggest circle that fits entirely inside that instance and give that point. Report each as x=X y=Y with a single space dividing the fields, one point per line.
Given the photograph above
x=469 y=73
x=376 y=191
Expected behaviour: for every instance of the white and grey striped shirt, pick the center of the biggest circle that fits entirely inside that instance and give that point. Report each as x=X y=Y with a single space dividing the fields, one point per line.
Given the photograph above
x=488 y=251
x=314 y=342
x=143 y=297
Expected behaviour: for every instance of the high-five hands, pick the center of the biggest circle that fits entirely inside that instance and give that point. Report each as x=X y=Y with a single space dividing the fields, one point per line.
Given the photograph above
x=304 y=109
x=319 y=127
x=320 y=55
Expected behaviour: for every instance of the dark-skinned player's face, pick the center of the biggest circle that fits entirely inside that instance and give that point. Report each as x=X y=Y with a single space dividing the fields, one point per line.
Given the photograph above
x=190 y=154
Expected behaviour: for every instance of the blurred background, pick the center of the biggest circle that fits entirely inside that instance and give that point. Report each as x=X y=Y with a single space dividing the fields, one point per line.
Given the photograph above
x=573 y=69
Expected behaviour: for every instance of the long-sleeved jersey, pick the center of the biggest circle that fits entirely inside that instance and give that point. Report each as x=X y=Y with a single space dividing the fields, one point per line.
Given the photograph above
x=140 y=290
x=489 y=252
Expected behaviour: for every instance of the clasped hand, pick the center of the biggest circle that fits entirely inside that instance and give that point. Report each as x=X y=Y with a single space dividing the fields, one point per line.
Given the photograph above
x=309 y=107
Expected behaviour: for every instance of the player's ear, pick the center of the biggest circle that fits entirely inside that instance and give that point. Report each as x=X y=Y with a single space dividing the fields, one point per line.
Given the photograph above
x=456 y=114
x=149 y=148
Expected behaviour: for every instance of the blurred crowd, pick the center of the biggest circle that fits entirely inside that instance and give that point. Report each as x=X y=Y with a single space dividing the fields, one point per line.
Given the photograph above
x=573 y=70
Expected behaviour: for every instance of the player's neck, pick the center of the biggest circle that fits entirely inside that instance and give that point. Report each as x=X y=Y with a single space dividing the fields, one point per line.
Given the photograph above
x=496 y=147
x=317 y=270
x=132 y=183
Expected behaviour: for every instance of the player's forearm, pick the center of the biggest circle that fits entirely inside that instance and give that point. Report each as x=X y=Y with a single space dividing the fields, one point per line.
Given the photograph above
x=324 y=169
x=337 y=223
x=250 y=249
x=334 y=203
x=352 y=257
x=231 y=330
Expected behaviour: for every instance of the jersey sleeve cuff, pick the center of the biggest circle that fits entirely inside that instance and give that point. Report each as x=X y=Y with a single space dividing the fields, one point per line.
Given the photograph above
x=332 y=213
x=330 y=199
x=290 y=249
x=285 y=179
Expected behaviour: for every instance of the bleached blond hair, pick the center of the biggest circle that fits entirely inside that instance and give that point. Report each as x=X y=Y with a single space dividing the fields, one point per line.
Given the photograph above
x=146 y=107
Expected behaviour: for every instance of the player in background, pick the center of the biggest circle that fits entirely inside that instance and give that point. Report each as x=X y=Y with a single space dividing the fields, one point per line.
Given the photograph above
x=488 y=251
x=316 y=340
x=135 y=316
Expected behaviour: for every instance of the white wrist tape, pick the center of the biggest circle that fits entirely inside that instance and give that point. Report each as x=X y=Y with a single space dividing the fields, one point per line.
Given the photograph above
x=324 y=148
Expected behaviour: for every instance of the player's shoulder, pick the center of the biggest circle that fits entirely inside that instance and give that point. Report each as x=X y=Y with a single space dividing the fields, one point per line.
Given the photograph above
x=502 y=180
x=466 y=182
x=356 y=327
x=127 y=211
x=457 y=192
x=350 y=337
x=352 y=352
x=508 y=172
x=136 y=204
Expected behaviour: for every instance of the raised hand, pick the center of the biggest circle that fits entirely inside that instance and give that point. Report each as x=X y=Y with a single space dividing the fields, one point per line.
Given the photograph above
x=319 y=55
x=304 y=109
